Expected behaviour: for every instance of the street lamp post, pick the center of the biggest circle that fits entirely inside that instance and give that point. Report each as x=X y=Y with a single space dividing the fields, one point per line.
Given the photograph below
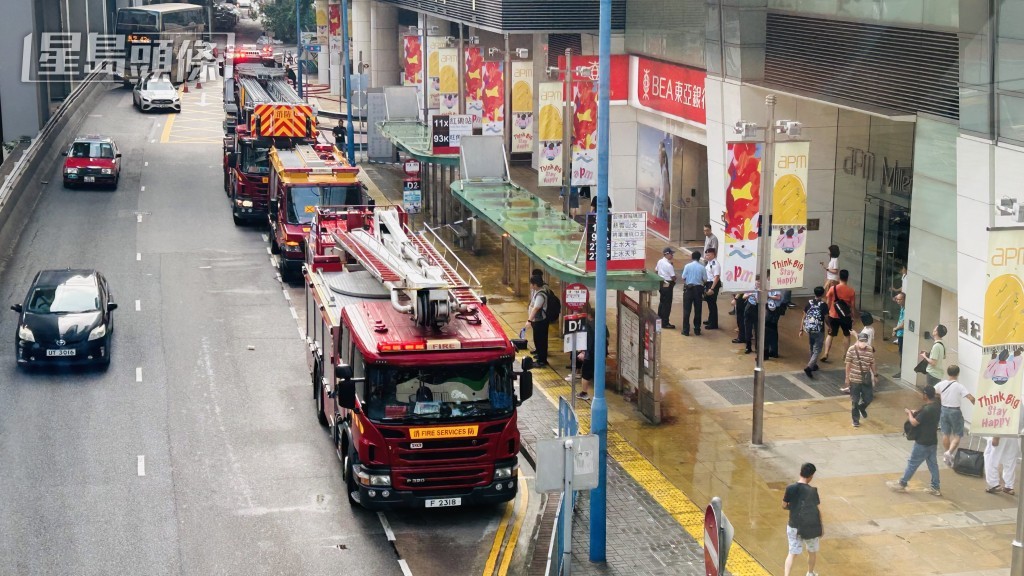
x=350 y=148
x=763 y=266
x=298 y=46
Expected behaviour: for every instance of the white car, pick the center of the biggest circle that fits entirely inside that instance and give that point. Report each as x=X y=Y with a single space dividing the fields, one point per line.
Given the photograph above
x=156 y=92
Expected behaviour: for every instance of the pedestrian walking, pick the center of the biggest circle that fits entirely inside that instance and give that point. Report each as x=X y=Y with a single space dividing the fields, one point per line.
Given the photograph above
x=868 y=327
x=813 y=324
x=804 y=529
x=832 y=268
x=667 y=272
x=710 y=241
x=861 y=375
x=712 y=286
x=694 y=277
x=897 y=330
x=923 y=428
x=1001 y=452
x=936 y=357
x=842 y=304
x=775 y=310
x=951 y=420
x=340 y=133
x=538 y=319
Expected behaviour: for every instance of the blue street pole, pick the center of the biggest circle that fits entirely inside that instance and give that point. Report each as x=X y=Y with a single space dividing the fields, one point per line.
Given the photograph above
x=350 y=151
x=298 y=46
x=599 y=409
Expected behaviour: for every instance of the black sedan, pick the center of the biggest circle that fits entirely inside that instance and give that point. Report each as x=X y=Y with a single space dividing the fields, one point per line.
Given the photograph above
x=65 y=319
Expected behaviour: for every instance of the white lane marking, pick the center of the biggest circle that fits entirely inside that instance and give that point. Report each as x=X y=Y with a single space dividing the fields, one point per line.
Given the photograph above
x=152 y=141
x=138 y=374
x=266 y=238
x=387 y=526
x=143 y=189
x=138 y=305
x=295 y=314
x=405 y=567
x=138 y=256
x=205 y=267
x=142 y=465
x=302 y=335
x=286 y=295
x=145 y=163
x=138 y=218
x=268 y=249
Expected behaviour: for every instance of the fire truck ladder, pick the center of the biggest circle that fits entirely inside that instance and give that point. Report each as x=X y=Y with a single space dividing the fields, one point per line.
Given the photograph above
x=410 y=265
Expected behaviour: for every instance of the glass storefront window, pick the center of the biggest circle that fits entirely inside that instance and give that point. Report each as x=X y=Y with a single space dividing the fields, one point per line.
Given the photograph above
x=1011 y=118
x=1010 y=65
x=933 y=14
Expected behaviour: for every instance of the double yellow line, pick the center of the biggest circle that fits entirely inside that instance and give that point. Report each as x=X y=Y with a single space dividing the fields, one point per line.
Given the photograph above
x=506 y=550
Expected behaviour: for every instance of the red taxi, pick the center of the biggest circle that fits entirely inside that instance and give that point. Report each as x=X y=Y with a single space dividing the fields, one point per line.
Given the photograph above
x=91 y=160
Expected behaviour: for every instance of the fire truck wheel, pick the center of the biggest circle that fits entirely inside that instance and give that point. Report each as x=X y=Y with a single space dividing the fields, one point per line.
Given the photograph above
x=350 y=481
x=318 y=396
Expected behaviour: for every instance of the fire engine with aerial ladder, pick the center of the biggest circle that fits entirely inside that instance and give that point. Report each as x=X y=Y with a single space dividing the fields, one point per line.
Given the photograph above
x=411 y=371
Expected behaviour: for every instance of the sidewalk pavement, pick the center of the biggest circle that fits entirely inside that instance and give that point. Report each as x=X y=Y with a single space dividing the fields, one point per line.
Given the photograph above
x=661 y=477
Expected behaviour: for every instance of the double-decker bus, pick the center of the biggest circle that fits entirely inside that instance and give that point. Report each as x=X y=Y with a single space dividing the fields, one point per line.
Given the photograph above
x=154 y=37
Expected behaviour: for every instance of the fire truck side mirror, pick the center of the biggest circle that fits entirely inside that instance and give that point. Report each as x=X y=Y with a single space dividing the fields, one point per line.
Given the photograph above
x=519 y=343
x=525 y=386
x=343 y=372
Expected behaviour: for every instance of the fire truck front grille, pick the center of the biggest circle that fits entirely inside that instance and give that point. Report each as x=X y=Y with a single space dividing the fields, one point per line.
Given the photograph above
x=444 y=455
x=445 y=479
x=442 y=452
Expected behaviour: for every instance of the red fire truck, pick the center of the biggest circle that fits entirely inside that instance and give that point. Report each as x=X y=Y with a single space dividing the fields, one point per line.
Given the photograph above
x=411 y=371
x=301 y=179
x=266 y=113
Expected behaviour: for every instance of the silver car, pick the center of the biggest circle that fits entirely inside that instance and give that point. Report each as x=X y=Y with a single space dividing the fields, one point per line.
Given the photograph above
x=156 y=92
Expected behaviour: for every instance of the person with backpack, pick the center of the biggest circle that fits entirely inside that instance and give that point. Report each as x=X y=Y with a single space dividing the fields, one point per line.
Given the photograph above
x=813 y=325
x=804 y=528
x=936 y=359
x=842 y=304
x=544 y=309
x=923 y=428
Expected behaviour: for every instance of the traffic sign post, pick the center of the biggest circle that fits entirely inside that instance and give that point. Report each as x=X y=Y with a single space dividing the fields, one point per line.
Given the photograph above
x=575 y=296
x=574 y=339
x=718 y=534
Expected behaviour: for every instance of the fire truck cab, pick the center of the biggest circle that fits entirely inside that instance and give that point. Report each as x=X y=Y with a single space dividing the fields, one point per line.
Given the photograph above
x=301 y=179
x=411 y=371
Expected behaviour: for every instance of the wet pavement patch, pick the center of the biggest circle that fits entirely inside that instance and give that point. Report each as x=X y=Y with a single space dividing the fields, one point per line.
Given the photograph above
x=741 y=390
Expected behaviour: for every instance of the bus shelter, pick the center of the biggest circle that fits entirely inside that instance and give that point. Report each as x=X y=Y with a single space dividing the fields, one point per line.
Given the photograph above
x=551 y=241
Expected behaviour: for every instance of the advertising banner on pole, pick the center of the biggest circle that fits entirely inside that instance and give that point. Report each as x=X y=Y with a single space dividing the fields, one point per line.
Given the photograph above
x=434 y=45
x=789 y=215
x=997 y=405
x=474 y=84
x=742 y=207
x=522 y=106
x=322 y=22
x=448 y=80
x=584 y=132
x=549 y=133
x=494 y=99
x=412 y=62
x=334 y=28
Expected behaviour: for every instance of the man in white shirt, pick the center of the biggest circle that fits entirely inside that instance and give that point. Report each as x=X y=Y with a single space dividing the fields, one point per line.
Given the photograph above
x=710 y=241
x=951 y=420
x=667 y=272
x=712 y=286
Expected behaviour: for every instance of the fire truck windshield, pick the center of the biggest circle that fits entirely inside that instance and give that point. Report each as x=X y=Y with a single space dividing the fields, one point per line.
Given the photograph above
x=255 y=160
x=438 y=393
x=305 y=199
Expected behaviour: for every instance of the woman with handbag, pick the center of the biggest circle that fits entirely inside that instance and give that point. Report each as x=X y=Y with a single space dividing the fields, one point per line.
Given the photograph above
x=860 y=377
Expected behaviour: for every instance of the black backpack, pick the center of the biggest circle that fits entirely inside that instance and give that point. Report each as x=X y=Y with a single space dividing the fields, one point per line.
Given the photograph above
x=552 y=307
x=807 y=516
x=842 y=308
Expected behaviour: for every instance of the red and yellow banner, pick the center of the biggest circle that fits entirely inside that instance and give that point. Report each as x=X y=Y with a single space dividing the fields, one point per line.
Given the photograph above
x=434 y=45
x=789 y=215
x=522 y=106
x=448 y=80
x=742 y=207
x=494 y=98
x=412 y=61
x=282 y=120
x=549 y=133
x=474 y=84
x=997 y=404
x=584 y=134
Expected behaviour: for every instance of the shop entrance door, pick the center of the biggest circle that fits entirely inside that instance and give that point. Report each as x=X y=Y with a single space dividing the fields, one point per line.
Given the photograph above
x=886 y=244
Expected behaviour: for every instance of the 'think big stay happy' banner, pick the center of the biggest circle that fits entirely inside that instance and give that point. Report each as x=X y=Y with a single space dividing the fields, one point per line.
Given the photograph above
x=997 y=405
x=789 y=215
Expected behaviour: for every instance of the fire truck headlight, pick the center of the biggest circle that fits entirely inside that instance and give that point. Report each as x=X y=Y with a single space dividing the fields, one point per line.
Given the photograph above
x=243 y=203
x=503 y=472
x=367 y=479
x=292 y=246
